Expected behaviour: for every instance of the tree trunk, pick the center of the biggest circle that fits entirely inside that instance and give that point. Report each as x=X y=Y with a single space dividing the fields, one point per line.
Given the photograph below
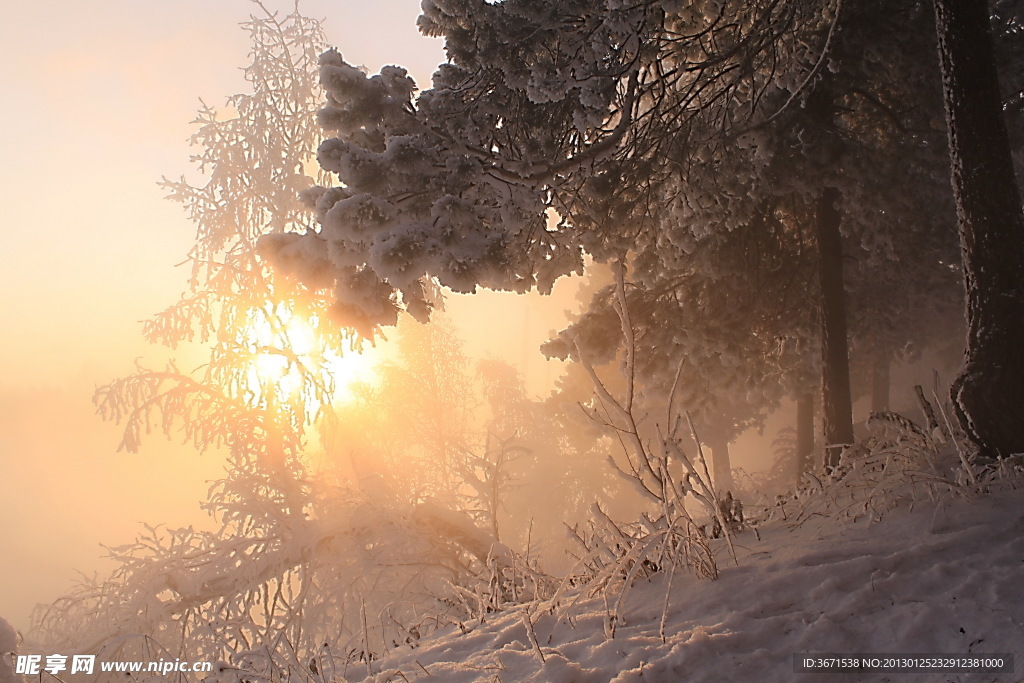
x=988 y=395
x=721 y=467
x=880 y=382
x=804 y=435
x=837 y=409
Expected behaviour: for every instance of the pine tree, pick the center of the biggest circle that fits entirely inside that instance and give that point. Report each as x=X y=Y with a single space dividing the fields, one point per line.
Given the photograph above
x=647 y=134
x=989 y=392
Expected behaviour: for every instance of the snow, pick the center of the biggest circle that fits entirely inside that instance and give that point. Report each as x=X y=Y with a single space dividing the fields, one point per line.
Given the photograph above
x=944 y=578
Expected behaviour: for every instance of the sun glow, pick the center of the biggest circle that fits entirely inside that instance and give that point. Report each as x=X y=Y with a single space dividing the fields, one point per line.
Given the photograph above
x=299 y=356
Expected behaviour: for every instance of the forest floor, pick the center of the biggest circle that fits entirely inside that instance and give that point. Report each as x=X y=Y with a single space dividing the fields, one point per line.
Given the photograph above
x=942 y=578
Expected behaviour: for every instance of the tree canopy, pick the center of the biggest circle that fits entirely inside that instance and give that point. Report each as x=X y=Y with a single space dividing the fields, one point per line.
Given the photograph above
x=661 y=135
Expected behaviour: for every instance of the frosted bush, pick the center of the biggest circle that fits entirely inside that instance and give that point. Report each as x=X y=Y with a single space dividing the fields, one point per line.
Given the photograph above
x=902 y=464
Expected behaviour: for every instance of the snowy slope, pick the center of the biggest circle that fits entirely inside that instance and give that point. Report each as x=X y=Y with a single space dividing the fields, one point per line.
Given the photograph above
x=946 y=579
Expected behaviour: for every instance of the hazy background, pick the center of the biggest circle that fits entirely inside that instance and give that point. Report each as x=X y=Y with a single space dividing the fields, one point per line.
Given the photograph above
x=98 y=99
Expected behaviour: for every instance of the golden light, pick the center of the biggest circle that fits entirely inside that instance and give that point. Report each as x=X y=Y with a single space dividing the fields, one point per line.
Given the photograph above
x=349 y=369
x=299 y=357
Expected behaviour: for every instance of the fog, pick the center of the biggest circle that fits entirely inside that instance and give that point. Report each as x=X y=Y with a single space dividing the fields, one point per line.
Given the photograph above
x=105 y=98
x=461 y=471
x=99 y=102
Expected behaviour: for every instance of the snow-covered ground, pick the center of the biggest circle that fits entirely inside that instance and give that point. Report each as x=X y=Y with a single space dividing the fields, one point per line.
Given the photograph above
x=937 y=579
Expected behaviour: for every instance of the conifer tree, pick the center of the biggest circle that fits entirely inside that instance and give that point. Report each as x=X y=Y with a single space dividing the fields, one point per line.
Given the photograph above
x=646 y=134
x=989 y=392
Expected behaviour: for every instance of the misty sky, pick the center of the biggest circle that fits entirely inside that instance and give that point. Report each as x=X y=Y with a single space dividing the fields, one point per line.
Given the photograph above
x=98 y=99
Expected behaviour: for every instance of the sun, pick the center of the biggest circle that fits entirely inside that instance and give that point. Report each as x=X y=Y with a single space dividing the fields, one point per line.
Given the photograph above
x=349 y=369
x=299 y=356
